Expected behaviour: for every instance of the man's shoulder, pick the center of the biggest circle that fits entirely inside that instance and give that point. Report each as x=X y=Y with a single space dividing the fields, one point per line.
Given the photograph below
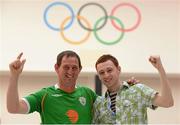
x=80 y=87
x=137 y=85
x=134 y=88
x=140 y=86
x=48 y=89
x=85 y=90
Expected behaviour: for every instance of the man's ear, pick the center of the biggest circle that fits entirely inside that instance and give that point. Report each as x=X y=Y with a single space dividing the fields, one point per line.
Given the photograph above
x=80 y=70
x=119 y=68
x=56 y=67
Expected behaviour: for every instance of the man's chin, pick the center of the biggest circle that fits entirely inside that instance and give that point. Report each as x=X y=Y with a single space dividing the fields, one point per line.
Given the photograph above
x=70 y=83
x=108 y=85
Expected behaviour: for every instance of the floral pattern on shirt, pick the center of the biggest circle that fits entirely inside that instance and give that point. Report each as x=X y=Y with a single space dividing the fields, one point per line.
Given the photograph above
x=131 y=106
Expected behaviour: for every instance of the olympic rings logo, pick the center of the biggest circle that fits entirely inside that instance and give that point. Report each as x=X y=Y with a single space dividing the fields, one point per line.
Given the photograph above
x=103 y=20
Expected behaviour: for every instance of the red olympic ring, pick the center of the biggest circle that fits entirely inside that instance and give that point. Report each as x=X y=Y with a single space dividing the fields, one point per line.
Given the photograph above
x=138 y=14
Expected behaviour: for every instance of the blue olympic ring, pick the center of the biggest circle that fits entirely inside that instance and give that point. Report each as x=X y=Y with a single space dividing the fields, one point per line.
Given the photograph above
x=58 y=3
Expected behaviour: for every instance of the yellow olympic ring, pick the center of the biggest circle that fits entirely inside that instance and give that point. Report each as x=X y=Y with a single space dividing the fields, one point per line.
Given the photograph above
x=71 y=41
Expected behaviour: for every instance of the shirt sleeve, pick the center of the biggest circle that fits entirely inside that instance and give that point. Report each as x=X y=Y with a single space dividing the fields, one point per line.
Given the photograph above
x=148 y=94
x=34 y=101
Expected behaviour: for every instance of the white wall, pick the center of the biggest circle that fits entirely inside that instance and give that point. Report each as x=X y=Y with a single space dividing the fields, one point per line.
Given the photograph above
x=1 y=35
x=0 y=53
x=158 y=33
x=179 y=35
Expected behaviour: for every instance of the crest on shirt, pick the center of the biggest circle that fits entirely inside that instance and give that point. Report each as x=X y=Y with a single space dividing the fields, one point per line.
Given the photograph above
x=82 y=100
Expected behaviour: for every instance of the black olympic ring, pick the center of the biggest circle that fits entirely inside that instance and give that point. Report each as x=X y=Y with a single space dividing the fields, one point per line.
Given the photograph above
x=96 y=4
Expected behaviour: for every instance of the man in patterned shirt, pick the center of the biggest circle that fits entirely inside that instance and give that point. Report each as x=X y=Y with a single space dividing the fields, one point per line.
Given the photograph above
x=124 y=103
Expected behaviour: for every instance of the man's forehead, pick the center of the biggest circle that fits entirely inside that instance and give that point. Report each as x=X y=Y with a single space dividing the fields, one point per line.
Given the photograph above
x=70 y=59
x=105 y=65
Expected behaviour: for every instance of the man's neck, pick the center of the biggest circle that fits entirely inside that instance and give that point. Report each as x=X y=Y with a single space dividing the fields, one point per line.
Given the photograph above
x=68 y=89
x=115 y=88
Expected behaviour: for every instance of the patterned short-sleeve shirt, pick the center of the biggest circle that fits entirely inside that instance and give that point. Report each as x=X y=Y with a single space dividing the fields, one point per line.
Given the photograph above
x=131 y=106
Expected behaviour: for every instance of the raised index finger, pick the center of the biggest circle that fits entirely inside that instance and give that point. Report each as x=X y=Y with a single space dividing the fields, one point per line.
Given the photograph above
x=20 y=55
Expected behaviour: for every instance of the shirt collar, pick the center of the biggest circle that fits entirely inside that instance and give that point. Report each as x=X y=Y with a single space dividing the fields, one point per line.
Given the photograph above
x=58 y=87
x=124 y=85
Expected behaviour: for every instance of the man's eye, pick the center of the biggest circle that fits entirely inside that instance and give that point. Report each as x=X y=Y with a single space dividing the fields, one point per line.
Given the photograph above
x=74 y=68
x=101 y=73
x=66 y=67
x=109 y=70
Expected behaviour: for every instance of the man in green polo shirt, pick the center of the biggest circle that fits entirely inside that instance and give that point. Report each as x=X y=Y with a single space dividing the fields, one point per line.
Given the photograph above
x=124 y=103
x=62 y=103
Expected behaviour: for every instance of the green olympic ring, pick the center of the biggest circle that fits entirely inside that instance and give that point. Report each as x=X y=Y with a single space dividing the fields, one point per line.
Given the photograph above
x=107 y=42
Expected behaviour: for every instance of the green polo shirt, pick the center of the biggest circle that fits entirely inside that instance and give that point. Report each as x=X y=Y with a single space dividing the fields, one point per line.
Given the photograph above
x=56 y=106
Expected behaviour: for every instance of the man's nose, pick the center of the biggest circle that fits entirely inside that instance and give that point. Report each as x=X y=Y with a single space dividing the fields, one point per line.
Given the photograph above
x=70 y=70
x=106 y=74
